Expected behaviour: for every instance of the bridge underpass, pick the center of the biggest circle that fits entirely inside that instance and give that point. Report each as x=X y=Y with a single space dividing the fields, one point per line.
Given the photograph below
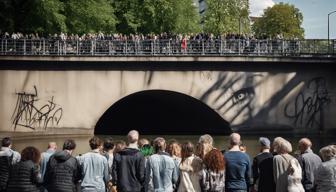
x=85 y=95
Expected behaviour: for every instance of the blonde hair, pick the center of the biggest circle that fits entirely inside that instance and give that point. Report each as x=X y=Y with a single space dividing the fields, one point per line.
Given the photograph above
x=328 y=152
x=174 y=149
x=285 y=146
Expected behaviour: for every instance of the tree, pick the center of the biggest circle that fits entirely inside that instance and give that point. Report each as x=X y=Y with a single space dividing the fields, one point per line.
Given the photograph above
x=187 y=18
x=45 y=16
x=281 y=19
x=226 y=16
x=89 y=16
x=171 y=16
x=7 y=16
x=129 y=15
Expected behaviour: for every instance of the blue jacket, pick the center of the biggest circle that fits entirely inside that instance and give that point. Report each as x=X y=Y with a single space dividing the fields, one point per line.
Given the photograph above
x=238 y=171
x=45 y=156
x=161 y=173
x=94 y=170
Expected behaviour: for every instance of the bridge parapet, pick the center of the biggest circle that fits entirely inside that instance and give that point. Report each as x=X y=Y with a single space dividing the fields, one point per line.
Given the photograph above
x=220 y=47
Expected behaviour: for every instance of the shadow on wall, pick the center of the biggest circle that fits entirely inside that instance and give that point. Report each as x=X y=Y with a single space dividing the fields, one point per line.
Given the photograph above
x=161 y=112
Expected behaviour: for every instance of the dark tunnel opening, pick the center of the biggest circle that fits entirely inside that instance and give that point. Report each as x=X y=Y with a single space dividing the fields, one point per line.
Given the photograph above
x=161 y=112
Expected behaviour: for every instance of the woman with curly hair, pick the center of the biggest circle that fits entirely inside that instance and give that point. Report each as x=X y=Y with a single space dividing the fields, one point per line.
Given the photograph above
x=24 y=175
x=213 y=174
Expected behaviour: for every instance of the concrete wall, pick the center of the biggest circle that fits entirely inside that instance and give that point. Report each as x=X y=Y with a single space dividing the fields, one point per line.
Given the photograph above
x=72 y=101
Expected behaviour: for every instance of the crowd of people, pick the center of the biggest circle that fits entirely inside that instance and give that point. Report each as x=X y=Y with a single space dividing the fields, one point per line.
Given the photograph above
x=140 y=165
x=165 y=43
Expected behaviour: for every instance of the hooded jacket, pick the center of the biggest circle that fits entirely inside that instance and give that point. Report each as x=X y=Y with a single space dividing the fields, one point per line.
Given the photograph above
x=128 y=172
x=62 y=173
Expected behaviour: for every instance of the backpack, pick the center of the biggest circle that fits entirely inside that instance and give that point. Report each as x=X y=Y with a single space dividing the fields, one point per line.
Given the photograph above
x=5 y=167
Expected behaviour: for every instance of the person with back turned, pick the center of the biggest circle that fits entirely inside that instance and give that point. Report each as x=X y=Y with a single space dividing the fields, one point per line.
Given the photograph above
x=8 y=158
x=63 y=171
x=237 y=163
x=309 y=162
x=128 y=169
x=263 y=168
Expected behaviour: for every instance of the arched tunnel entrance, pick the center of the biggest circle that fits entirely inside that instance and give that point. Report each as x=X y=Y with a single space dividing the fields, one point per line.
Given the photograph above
x=161 y=112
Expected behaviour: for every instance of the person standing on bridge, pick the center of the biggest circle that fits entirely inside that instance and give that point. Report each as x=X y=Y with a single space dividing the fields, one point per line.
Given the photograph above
x=128 y=172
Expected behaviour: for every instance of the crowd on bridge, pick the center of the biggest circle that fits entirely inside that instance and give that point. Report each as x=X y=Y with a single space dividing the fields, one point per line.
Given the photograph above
x=159 y=166
x=164 y=43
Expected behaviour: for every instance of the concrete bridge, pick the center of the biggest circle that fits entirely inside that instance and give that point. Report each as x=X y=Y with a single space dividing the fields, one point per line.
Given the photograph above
x=42 y=95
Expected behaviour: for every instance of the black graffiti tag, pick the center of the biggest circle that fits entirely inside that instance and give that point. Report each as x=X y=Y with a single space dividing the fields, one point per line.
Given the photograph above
x=309 y=104
x=27 y=114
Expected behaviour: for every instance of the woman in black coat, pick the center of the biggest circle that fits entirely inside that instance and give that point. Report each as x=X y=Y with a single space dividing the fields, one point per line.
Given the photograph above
x=24 y=176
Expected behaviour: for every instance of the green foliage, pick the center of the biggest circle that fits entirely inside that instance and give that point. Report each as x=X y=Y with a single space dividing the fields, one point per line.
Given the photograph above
x=226 y=16
x=89 y=16
x=129 y=15
x=187 y=18
x=281 y=19
x=6 y=15
x=45 y=16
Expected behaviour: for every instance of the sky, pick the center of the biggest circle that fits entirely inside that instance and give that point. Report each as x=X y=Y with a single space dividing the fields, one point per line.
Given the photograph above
x=315 y=15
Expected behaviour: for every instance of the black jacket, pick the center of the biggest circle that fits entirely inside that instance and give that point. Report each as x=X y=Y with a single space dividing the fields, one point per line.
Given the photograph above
x=62 y=173
x=24 y=177
x=128 y=172
x=263 y=172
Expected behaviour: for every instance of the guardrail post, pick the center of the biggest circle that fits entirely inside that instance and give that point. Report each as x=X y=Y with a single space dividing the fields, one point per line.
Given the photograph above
x=152 y=47
x=258 y=47
x=203 y=47
x=24 y=46
x=126 y=47
x=91 y=47
x=221 y=47
x=43 y=47
x=169 y=48
x=283 y=47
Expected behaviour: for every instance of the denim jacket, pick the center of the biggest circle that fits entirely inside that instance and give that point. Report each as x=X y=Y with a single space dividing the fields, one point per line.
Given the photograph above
x=95 y=171
x=161 y=173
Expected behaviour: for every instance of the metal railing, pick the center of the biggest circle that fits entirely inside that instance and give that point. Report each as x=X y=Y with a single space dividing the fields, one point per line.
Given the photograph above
x=167 y=47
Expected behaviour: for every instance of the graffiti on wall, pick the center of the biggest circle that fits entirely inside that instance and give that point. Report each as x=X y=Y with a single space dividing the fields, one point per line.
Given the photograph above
x=307 y=108
x=28 y=113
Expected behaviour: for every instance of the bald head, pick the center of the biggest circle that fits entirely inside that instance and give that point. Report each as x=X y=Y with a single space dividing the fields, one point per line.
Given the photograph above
x=52 y=145
x=133 y=137
x=234 y=139
x=304 y=144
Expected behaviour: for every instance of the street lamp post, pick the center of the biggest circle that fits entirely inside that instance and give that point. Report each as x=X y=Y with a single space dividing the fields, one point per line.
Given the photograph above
x=328 y=30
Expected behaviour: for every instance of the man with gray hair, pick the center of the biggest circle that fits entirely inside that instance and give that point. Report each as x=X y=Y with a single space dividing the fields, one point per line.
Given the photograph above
x=206 y=143
x=309 y=162
x=237 y=167
x=128 y=169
